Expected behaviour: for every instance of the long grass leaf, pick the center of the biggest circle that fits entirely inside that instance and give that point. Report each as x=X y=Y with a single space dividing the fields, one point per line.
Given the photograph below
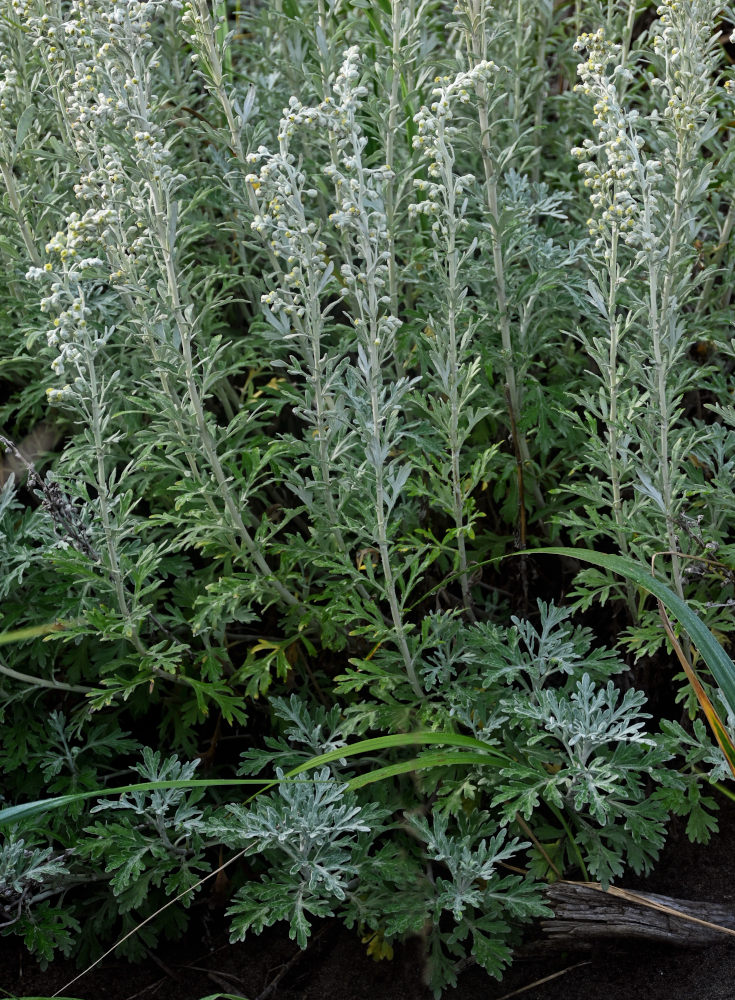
x=722 y=667
x=419 y=764
x=720 y=664
x=25 y=810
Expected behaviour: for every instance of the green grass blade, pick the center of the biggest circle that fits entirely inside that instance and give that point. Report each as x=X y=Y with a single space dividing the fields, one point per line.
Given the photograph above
x=421 y=763
x=722 y=667
x=30 y=632
x=399 y=740
x=25 y=810
x=12 y=814
x=225 y=996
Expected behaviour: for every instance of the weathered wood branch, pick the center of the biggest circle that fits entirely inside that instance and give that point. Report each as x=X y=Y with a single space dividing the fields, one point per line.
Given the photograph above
x=585 y=912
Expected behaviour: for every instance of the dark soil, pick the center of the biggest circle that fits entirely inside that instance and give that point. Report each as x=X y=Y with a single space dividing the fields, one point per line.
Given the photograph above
x=336 y=966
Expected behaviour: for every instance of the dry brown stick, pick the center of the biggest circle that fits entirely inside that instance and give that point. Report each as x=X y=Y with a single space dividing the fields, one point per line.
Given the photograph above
x=585 y=911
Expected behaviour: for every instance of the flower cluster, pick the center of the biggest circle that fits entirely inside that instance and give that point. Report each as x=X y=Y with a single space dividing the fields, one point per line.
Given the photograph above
x=281 y=195
x=623 y=182
x=8 y=88
x=360 y=212
x=16 y=85
x=107 y=84
x=357 y=187
x=682 y=36
x=70 y=335
x=103 y=53
x=111 y=85
x=434 y=139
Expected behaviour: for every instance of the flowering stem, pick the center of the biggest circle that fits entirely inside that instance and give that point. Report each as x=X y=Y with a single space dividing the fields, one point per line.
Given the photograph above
x=163 y=221
x=661 y=320
x=390 y=155
x=313 y=312
x=113 y=562
x=370 y=326
x=491 y=189
x=614 y=280
x=382 y=533
x=452 y=256
x=477 y=48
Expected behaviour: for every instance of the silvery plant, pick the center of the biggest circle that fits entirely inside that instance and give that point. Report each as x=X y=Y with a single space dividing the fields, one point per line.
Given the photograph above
x=325 y=308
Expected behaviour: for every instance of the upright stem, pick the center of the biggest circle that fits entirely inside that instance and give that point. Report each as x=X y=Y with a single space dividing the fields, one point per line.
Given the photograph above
x=163 y=216
x=517 y=80
x=453 y=395
x=477 y=48
x=382 y=532
x=657 y=320
x=491 y=189
x=628 y=31
x=161 y=367
x=371 y=311
x=209 y=35
x=113 y=562
x=390 y=154
x=541 y=89
x=164 y=212
x=315 y=320
x=612 y=427
x=612 y=389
